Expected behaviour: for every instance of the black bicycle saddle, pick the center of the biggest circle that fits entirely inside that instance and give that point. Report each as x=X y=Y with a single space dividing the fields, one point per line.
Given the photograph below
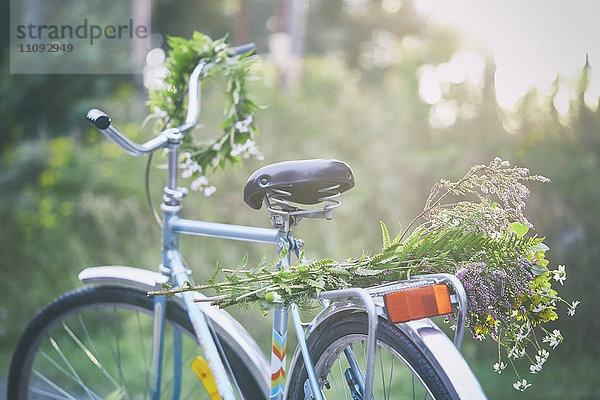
x=305 y=181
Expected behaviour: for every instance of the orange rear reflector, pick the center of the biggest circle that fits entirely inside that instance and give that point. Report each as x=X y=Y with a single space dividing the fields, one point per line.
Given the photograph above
x=415 y=303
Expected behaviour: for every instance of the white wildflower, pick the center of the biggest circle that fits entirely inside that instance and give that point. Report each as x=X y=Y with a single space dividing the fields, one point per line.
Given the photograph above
x=553 y=339
x=199 y=183
x=535 y=368
x=247 y=150
x=188 y=166
x=571 y=310
x=243 y=126
x=521 y=385
x=498 y=367
x=209 y=190
x=515 y=352
x=556 y=338
x=560 y=274
x=542 y=356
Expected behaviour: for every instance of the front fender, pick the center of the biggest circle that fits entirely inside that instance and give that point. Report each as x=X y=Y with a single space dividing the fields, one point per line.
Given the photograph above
x=226 y=326
x=129 y=276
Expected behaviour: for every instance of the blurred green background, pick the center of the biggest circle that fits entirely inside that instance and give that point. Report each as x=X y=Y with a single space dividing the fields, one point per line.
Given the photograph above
x=361 y=81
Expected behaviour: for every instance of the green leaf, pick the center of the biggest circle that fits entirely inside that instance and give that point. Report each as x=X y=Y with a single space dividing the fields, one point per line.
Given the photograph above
x=339 y=271
x=519 y=229
x=386 y=235
x=539 y=247
x=538 y=270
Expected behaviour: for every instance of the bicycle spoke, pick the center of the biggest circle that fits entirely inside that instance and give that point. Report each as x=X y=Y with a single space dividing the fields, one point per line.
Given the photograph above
x=47 y=394
x=89 y=355
x=118 y=345
x=60 y=369
x=143 y=350
x=382 y=373
x=335 y=384
x=76 y=377
x=56 y=365
x=390 y=380
x=187 y=361
x=342 y=377
x=53 y=385
x=108 y=341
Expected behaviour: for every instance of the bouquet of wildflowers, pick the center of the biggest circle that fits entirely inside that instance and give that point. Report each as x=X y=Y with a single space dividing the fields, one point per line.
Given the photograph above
x=507 y=279
x=482 y=239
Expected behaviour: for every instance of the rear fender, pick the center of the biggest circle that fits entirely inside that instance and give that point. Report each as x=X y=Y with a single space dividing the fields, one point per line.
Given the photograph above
x=431 y=341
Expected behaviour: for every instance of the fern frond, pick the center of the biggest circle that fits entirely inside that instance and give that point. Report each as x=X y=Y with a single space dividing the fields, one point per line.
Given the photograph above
x=385 y=234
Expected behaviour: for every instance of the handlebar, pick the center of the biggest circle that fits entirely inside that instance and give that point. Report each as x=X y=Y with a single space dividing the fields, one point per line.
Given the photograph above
x=103 y=122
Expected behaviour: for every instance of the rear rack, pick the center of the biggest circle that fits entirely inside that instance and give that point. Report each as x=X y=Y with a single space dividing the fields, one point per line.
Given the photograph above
x=372 y=300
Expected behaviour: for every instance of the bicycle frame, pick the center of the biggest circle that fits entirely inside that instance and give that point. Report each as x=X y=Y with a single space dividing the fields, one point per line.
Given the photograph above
x=174 y=272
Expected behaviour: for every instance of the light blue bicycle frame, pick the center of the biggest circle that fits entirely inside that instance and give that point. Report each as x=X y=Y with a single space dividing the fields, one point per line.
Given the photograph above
x=429 y=338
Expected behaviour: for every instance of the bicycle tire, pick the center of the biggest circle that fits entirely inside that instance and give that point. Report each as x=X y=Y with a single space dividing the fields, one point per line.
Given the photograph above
x=77 y=347
x=418 y=378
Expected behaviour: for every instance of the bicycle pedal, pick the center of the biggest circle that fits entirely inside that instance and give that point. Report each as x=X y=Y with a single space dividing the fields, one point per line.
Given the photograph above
x=200 y=367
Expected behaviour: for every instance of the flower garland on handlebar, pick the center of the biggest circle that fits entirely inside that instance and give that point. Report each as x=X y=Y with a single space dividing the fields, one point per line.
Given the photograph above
x=201 y=159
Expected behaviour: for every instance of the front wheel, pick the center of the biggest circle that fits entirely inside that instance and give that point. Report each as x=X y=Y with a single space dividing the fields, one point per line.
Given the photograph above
x=401 y=370
x=96 y=343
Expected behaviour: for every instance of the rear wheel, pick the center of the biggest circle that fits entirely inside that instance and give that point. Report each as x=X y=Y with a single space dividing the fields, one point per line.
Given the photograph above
x=401 y=370
x=96 y=343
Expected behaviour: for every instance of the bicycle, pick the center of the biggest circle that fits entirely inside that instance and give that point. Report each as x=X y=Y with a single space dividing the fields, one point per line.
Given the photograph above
x=110 y=340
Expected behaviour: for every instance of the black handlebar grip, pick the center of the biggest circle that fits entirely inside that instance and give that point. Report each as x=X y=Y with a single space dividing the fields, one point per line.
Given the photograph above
x=98 y=118
x=245 y=48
